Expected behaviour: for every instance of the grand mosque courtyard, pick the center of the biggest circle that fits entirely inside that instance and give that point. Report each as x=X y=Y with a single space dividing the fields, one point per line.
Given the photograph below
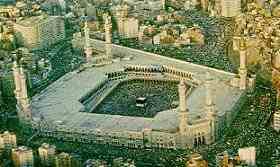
x=131 y=95
x=140 y=98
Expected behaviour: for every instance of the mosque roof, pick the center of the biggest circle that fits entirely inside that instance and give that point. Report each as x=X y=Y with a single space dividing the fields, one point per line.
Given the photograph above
x=60 y=101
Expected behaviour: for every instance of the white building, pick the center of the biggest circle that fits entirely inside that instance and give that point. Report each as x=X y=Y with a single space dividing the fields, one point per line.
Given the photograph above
x=276 y=121
x=131 y=26
x=248 y=155
x=230 y=8
x=128 y=27
x=47 y=154
x=276 y=61
x=22 y=157
x=63 y=160
x=40 y=31
x=8 y=140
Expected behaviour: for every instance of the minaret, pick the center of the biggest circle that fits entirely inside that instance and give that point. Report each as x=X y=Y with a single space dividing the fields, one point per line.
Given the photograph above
x=182 y=96
x=16 y=74
x=210 y=108
x=88 y=50
x=242 y=68
x=183 y=114
x=183 y=111
x=108 y=37
x=163 y=4
x=209 y=99
x=24 y=101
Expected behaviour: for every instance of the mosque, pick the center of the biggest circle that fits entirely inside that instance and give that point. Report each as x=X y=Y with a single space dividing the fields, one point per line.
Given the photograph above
x=208 y=100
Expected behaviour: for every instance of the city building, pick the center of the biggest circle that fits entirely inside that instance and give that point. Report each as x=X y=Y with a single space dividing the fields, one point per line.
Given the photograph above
x=171 y=35
x=248 y=155
x=7 y=37
x=131 y=28
x=277 y=164
x=163 y=38
x=67 y=160
x=47 y=154
x=128 y=27
x=95 y=163
x=8 y=140
x=230 y=8
x=191 y=35
x=227 y=159
x=244 y=157
x=40 y=31
x=276 y=62
x=276 y=121
x=63 y=160
x=76 y=160
x=22 y=157
x=146 y=34
x=196 y=160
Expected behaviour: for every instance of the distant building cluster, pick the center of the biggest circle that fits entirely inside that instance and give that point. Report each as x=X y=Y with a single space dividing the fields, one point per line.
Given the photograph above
x=48 y=155
x=224 y=8
x=171 y=35
x=260 y=26
x=244 y=157
x=23 y=156
x=19 y=10
x=131 y=26
x=128 y=27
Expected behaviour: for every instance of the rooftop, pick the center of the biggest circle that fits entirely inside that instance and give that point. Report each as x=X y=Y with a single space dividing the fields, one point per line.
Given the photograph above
x=31 y=21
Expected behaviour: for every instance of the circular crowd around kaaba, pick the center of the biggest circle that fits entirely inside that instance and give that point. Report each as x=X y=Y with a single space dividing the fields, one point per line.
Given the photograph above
x=125 y=98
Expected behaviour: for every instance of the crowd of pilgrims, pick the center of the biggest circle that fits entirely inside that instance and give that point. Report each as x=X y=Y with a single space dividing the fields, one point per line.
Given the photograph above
x=122 y=100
